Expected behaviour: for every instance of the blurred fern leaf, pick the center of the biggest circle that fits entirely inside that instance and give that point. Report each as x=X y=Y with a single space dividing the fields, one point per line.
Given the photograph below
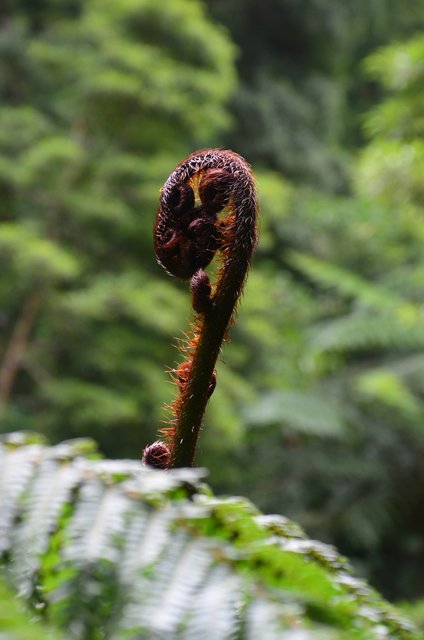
x=108 y=549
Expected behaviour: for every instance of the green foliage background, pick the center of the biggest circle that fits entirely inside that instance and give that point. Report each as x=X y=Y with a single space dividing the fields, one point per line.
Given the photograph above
x=319 y=408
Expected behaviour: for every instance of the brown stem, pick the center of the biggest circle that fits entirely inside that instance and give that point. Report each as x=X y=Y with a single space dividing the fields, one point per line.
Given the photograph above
x=186 y=238
x=17 y=346
x=192 y=402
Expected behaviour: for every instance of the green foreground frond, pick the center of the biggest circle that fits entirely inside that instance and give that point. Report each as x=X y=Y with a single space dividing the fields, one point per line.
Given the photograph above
x=108 y=549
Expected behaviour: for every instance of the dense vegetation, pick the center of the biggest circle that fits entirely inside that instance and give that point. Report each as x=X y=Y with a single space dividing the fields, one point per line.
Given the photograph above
x=319 y=409
x=107 y=550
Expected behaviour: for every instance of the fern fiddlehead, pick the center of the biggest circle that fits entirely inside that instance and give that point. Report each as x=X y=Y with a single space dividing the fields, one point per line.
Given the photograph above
x=207 y=206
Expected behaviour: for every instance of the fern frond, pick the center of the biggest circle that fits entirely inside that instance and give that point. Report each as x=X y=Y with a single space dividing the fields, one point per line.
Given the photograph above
x=167 y=589
x=386 y=387
x=357 y=331
x=16 y=472
x=349 y=284
x=221 y=591
x=48 y=494
x=112 y=548
x=304 y=412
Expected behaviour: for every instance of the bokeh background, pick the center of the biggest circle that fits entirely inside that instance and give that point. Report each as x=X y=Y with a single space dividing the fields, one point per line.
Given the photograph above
x=319 y=408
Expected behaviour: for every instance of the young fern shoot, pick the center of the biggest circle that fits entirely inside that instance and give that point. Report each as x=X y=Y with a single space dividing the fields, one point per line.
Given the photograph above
x=207 y=206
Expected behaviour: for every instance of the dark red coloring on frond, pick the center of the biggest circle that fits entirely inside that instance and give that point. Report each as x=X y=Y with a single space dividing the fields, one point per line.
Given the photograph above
x=201 y=291
x=215 y=189
x=186 y=236
x=181 y=200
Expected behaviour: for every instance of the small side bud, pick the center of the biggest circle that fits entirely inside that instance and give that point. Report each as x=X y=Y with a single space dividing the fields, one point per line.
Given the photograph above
x=201 y=291
x=157 y=455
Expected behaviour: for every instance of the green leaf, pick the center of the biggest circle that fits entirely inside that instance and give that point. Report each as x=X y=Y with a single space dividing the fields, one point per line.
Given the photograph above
x=33 y=257
x=303 y=412
x=91 y=542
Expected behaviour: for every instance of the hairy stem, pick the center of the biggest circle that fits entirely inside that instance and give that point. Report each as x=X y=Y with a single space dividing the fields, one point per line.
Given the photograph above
x=193 y=401
x=187 y=236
